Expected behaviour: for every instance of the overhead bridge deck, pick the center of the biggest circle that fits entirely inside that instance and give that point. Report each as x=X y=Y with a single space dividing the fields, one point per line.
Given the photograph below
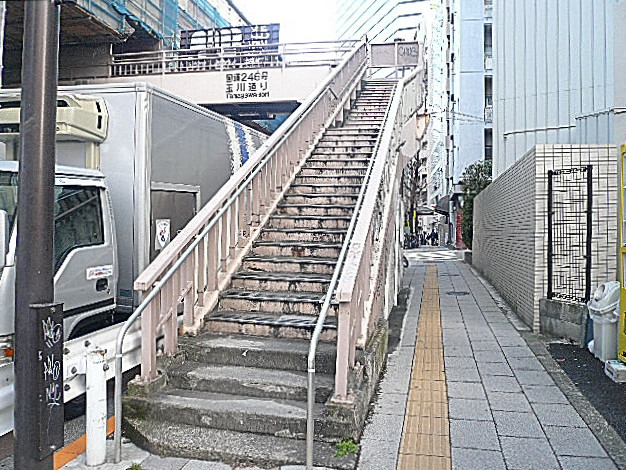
x=276 y=77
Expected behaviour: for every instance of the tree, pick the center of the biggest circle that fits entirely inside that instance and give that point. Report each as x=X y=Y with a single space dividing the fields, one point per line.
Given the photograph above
x=476 y=177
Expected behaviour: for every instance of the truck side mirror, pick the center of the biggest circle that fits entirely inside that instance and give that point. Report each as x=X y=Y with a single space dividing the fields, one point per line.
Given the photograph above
x=4 y=237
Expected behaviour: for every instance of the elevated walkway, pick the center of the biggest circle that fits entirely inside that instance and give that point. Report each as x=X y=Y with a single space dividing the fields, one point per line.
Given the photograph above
x=261 y=80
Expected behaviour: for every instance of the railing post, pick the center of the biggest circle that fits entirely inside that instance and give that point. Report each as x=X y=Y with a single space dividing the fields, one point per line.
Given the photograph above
x=201 y=269
x=148 y=340
x=189 y=278
x=344 y=314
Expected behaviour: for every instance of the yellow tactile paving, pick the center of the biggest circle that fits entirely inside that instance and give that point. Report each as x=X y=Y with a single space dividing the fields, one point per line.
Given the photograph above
x=426 y=434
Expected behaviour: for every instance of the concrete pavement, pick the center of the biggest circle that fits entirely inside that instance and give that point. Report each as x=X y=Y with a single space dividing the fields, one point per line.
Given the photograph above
x=466 y=387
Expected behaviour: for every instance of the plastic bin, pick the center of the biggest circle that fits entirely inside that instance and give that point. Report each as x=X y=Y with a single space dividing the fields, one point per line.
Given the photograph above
x=604 y=312
x=605 y=335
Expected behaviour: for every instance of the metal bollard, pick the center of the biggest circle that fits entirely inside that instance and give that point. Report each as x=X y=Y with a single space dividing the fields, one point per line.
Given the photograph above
x=96 y=412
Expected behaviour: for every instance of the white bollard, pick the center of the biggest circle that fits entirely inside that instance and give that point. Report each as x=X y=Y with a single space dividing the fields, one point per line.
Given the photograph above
x=96 y=413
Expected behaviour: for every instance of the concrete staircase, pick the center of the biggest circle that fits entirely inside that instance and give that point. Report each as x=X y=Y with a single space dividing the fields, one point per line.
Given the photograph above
x=237 y=393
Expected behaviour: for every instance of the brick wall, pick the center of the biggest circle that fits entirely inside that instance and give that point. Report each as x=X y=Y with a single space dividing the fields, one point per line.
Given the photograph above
x=510 y=223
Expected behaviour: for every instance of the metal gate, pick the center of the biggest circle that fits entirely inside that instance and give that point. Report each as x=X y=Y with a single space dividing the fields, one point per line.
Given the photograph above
x=570 y=196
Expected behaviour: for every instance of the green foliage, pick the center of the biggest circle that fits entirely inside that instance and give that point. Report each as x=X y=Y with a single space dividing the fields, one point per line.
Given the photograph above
x=476 y=177
x=346 y=447
x=135 y=466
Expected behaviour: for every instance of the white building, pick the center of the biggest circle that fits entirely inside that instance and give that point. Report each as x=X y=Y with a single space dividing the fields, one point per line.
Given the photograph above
x=461 y=86
x=380 y=20
x=555 y=69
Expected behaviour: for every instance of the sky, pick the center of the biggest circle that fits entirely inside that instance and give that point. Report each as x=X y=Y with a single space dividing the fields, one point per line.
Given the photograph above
x=300 y=21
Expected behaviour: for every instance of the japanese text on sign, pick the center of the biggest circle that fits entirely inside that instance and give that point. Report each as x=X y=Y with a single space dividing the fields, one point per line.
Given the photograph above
x=246 y=85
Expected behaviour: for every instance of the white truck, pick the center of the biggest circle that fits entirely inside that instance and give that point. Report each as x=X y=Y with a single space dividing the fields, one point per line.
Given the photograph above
x=135 y=165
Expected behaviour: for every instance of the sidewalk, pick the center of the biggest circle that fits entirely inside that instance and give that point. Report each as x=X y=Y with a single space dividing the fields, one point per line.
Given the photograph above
x=466 y=387
x=493 y=406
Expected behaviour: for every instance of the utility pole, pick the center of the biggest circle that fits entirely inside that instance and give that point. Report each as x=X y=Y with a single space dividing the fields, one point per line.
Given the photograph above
x=38 y=326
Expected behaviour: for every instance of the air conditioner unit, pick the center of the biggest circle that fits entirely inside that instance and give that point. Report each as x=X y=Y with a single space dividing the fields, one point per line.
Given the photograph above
x=79 y=118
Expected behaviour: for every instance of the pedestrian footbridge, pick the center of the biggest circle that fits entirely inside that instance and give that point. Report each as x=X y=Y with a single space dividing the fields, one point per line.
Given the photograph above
x=255 y=81
x=285 y=279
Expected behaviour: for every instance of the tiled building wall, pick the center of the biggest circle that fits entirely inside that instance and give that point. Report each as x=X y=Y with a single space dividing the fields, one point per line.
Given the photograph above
x=503 y=249
x=510 y=223
x=603 y=159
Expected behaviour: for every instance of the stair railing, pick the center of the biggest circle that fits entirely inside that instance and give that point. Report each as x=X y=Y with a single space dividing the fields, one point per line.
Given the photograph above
x=199 y=262
x=361 y=271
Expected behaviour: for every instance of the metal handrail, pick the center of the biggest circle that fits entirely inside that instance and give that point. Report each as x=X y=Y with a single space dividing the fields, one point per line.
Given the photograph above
x=265 y=154
x=395 y=108
x=176 y=61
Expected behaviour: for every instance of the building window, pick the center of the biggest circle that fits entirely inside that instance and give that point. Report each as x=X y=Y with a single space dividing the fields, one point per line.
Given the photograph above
x=488 y=144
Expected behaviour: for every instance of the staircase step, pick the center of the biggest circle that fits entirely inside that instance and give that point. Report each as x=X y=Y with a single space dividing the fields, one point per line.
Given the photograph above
x=350 y=172
x=249 y=381
x=230 y=412
x=290 y=264
x=329 y=178
x=252 y=351
x=319 y=209
x=342 y=150
x=296 y=248
x=272 y=325
x=340 y=162
x=318 y=198
x=297 y=188
x=290 y=303
x=303 y=235
x=294 y=282
x=309 y=221
x=236 y=449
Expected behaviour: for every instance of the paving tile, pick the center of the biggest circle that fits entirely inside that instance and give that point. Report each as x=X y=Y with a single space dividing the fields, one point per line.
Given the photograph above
x=495 y=368
x=203 y=465
x=384 y=427
x=413 y=462
x=463 y=375
x=557 y=414
x=391 y=404
x=436 y=425
x=517 y=351
x=503 y=401
x=415 y=408
x=544 y=394
x=466 y=459
x=577 y=442
x=522 y=453
x=583 y=463
x=515 y=424
x=489 y=356
x=485 y=345
x=515 y=340
x=525 y=363
x=500 y=383
x=375 y=457
x=459 y=363
x=534 y=377
x=155 y=462
x=461 y=408
x=473 y=434
x=466 y=390
x=425 y=444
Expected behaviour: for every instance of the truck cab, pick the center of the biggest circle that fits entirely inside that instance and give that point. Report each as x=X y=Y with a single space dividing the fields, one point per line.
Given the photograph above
x=85 y=253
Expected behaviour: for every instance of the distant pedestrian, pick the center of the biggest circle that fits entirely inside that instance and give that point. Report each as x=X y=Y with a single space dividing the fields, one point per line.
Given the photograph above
x=434 y=238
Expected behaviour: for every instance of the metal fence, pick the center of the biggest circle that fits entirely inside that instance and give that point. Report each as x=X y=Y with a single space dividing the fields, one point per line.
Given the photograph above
x=570 y=196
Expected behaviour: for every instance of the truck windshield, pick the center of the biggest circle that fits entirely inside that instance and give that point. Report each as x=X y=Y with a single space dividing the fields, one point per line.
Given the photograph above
x=8 y=194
